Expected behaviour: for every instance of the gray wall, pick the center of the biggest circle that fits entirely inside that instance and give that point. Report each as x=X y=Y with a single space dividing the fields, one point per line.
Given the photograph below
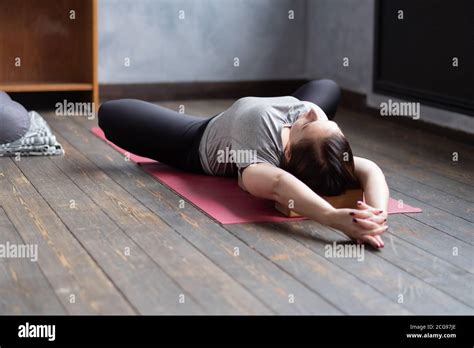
x=337 y=29
x=202 y=47
x=344 y=28
x=270 y=46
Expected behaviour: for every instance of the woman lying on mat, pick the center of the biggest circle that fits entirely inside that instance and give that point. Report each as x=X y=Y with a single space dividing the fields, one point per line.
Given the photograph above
x=281 y=148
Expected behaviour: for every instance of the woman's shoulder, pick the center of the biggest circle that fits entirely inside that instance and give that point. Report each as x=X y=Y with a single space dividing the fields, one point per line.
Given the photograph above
x=267 y=100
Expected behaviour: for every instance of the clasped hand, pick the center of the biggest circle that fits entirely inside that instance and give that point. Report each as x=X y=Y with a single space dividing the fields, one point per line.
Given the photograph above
x=365 y=224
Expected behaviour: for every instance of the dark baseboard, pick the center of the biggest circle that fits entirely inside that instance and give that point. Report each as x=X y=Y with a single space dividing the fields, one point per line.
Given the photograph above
x=448 y=133
x=46 y=101
x=223 y=90
x=353 y=100
x=199 y=90
x=421 y=125
x=358 y=102
x=217 y=90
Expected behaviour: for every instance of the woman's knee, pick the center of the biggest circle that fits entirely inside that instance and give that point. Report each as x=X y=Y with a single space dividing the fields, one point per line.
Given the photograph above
x=104 y=113
x=328 y=85
x=108 y=112
x=328 y=95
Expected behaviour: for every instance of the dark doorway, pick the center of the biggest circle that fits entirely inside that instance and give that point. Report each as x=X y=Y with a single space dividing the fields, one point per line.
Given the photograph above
x=416 y=51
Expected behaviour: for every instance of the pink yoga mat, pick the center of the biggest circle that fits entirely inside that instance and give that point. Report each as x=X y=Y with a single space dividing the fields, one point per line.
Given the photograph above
x=220 y=197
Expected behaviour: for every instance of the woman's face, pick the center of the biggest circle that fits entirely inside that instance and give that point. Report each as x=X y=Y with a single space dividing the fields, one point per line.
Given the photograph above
x=313 y=124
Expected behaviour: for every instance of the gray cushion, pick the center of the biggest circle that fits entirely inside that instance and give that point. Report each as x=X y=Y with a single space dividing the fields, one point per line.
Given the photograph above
x=14 y=121
x=4 y=97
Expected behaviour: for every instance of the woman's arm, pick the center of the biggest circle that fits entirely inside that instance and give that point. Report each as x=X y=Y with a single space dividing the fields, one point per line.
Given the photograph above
x=266 y=181
x=373 y=183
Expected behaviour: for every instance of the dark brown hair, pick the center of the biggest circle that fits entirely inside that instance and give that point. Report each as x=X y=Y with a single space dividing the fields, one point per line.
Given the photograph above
x=326 y=165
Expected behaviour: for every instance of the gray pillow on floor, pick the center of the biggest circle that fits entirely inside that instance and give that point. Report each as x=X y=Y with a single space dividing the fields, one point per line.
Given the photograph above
x=4 y=97
x=38 y=140
x=14 y=121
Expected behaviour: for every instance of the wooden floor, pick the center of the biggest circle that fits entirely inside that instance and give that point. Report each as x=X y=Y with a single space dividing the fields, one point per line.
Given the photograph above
x=113 y=240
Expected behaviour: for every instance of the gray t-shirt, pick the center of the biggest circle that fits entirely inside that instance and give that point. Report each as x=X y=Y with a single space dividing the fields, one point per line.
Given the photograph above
x=248 y=132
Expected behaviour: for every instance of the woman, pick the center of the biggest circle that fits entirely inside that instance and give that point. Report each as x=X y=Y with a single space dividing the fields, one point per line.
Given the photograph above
x=285 y=149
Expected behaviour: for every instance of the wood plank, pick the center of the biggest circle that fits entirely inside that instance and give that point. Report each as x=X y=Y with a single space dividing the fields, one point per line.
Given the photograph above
x=213 y=289
x=421 y=140
x=441 y=192
x=446 y=213
x=67 y=266
x=271 y=285
x=438 y=219
x=429 y=239
x=431 y=269
x=434 y=155
x=432 y=213
x=336 y=284
x=441 y=210
x=451 y=205
x=399 y=268
x=431 y=196
x=150 y=289
x=23 y=287
x=461 y=228
x=447 y=185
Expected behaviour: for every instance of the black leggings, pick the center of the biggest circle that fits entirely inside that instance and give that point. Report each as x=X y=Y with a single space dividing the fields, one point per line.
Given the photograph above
x=173 y=138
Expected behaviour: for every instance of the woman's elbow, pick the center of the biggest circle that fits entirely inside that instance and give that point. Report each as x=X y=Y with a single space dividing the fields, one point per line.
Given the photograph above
x=277 y=187
x=380 y=174
x=374 y=168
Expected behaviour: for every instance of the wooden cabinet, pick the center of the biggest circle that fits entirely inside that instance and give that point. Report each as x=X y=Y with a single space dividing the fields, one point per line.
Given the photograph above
x=49 y=46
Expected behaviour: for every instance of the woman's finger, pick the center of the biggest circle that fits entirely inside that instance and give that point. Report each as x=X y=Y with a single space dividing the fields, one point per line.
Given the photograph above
x=363 y=205
x=370 y=240
x=379 y=239
x=379 y=231
x=367 y=215
x=375 y=241
x=378 y=219
x=361 y=214
x=365 y=223
x=360 y=231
